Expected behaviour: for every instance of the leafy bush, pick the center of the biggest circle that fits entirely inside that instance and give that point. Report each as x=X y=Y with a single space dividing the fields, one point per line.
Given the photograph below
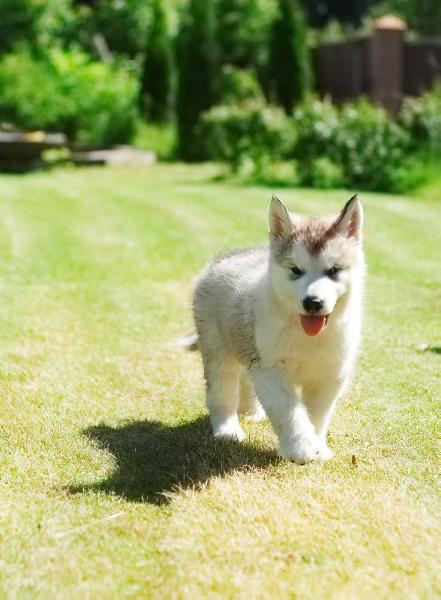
x=237 y=85
x=159 y=138
x=316 y=124
x=66 y=91
x=421 y=117
x=367 y=145
x=325 y=173
x=250 y=134
x=371 y=147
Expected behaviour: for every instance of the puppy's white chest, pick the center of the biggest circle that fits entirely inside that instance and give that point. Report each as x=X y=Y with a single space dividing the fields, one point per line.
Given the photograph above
x=308 y=360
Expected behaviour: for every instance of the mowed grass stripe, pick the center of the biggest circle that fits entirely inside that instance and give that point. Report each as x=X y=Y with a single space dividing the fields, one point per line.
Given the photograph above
x=101 y=415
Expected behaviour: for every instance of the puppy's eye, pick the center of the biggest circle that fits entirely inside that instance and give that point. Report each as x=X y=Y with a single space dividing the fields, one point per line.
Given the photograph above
x=297 y=272
x=333 y=272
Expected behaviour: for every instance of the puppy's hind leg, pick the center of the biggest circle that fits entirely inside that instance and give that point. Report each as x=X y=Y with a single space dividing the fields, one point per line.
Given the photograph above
x=249 y=405
x=222 y=377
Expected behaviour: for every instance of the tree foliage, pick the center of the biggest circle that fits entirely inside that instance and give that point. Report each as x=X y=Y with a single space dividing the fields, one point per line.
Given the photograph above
x=196 y=62
x=424 y=16
x=123 y=24
x=18 y=22
x=241 y=31
x=320 y=12
x=156 y=70
x=289 y=69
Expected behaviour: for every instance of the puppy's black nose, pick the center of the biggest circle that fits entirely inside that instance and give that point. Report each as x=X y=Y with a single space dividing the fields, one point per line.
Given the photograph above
x=312 y=304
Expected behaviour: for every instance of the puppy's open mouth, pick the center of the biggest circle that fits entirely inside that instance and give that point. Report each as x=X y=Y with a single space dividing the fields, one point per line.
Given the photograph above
x=313 y=324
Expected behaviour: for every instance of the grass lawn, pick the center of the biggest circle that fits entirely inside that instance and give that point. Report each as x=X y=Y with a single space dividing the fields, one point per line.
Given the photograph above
x=110 y=484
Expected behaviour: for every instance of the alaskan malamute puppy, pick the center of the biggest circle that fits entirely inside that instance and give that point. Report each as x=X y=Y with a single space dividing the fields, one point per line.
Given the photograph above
x=283 y=323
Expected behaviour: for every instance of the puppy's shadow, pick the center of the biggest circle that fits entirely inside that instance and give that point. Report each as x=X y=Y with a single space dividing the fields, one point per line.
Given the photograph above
x=153 y=459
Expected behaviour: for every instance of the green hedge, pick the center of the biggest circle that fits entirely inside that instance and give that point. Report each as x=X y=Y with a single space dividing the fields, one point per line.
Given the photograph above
x=238 y=85
x=247 y=135
x=421 y=117
x=363 y=143
x=65 y=91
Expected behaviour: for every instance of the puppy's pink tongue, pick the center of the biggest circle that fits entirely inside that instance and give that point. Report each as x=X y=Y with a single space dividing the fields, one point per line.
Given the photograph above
x=313 y=324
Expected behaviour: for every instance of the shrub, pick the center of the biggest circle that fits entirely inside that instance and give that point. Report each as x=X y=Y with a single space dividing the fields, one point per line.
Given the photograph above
x=237 y=85
x=66 y=91
x=197 y=86
x=325 y=173
x=159 y=138
x=248 y=135
x=421 y=117
x=289 y=69
x=316 y=125
x=371 y=147
x=360 y=138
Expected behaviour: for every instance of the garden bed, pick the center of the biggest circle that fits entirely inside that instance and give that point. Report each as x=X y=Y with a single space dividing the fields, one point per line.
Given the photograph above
x=24 y=151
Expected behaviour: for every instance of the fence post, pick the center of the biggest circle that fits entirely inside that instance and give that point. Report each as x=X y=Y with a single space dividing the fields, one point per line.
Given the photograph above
x=386 y=57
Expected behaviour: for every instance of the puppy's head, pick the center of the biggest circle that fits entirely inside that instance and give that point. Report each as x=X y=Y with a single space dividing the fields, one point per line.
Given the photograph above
x=315 y=262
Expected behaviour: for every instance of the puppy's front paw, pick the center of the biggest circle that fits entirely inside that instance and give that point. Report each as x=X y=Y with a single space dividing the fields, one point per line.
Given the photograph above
x=229 y=430
x=301 y=449
x=325 y=452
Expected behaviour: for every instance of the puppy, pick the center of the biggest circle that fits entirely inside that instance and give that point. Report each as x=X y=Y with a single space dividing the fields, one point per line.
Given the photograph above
x=278 y=328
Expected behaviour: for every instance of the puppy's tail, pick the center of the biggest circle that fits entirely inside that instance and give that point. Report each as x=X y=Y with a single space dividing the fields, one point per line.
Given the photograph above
x=189 y=342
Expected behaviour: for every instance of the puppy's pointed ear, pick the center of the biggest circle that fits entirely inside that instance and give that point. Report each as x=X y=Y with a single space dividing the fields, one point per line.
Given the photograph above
x=350 y=220
x=280 y=222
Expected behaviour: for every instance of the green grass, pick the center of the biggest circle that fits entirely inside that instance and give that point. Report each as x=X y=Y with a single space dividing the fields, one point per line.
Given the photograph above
x=111 y=485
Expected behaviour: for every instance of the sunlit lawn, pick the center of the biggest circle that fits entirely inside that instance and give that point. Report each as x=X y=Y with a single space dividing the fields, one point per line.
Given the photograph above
x=111 y=485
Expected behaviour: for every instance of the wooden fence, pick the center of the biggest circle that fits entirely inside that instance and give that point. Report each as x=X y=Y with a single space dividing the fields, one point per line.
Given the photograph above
x=384 y=67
